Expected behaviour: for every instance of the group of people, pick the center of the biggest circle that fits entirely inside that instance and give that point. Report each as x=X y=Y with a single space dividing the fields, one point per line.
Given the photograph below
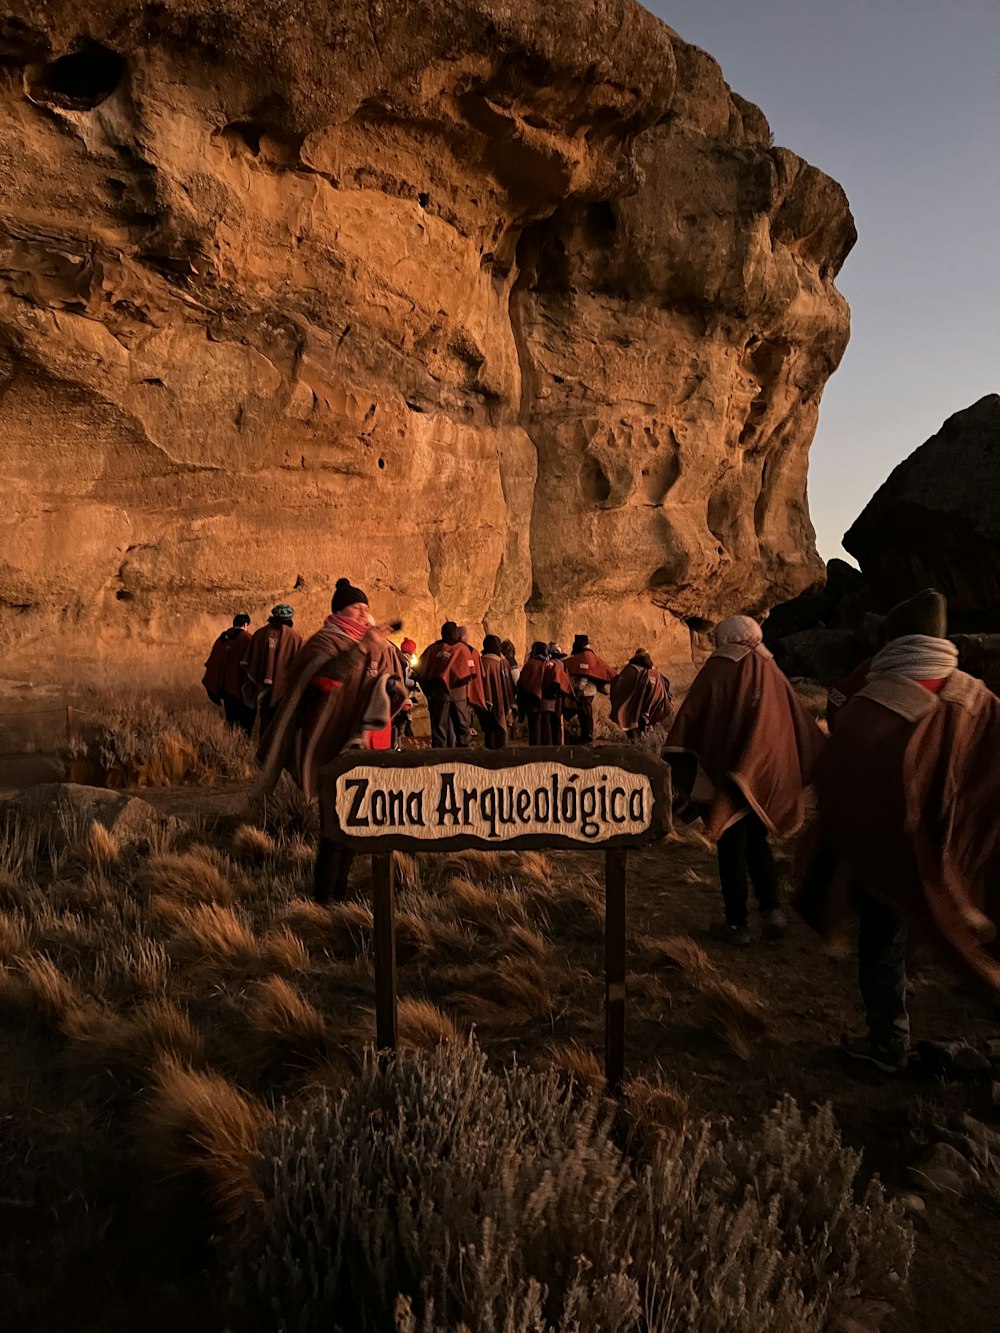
x=249 y=674
x=906 y=783
x=906 y=787
x=552 y=693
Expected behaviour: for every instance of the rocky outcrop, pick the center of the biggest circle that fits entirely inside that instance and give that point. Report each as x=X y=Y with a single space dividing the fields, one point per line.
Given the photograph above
x=936 y=521
x=511 y=313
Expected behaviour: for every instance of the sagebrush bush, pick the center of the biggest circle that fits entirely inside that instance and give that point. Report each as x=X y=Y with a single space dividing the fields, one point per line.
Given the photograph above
x=135 y=741
x=431 y=1194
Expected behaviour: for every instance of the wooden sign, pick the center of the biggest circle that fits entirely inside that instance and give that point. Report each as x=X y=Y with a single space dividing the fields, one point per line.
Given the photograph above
x=573 y=798
x=449 y=800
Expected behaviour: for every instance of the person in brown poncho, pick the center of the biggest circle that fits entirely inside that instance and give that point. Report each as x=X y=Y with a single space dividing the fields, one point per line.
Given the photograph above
x=907 y=834
x=543 y=693
x=267 y=661
x=448 y=673
x=223 y=678
x=589 y=675
x=498 y=694
x=640 y=696
x=743 y=750
x=343 y=686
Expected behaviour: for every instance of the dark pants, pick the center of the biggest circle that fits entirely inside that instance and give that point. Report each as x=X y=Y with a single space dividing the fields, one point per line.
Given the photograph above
x=402 y=725
x=585 y=714
x=238 y=714
x=333 y=869
x=744 y=853
x=882 y=935
x=494 y=735
x=544 y=728
x=451 y=722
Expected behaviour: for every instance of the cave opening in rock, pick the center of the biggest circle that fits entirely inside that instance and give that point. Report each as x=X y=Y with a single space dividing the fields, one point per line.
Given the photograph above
x=595 y=483
x=81 y=80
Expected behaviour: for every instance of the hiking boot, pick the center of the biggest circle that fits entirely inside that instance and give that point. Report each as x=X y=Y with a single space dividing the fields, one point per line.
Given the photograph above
x=775 y=924
x=890 y=1060
x=738 y=935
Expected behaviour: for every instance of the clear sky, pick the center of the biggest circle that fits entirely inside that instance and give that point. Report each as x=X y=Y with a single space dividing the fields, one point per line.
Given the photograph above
x=898 y=100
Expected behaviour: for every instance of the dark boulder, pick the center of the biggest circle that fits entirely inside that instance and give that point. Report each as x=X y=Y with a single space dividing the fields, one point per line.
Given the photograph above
x=936 y=521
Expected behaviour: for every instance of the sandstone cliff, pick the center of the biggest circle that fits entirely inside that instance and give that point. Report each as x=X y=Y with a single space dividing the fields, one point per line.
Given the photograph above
x=512 y=313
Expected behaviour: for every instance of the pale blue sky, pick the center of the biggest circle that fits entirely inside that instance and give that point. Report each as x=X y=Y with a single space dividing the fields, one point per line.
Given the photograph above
x=899 y=100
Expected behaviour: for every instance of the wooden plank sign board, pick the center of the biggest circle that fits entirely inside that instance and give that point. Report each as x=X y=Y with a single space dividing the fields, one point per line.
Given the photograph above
x=571 y=798
x=440 y=800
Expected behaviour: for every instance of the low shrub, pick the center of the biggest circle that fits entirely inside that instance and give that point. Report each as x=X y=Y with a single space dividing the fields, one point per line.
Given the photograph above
x=432 y=1194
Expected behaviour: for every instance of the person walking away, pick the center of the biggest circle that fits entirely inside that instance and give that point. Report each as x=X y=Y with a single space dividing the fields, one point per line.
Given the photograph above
x=510 y=652
x=446 y=671
x=223 y=678
x=557 y=698
x=343 y=687
x=743 y=750
x=498 y=693
x=531 y=681
x=589 y=675
x=266 y=663
x=906 y=833
x=640 y=696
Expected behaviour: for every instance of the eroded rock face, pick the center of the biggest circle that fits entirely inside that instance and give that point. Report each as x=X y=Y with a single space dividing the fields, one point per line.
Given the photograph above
x=936 y=521
x=510 y=313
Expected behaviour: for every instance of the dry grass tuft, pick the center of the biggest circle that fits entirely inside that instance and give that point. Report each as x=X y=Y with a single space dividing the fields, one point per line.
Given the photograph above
x=691 y=835
x=415 y=939
x=680 y=951
x=13 y=891
x=535 y=867
x=48 y=990
x=354 y=918
x=651 y=1111
x=155 y=1030
x=312 y=923
x=189 y=877
x=530 y=942
x=287 y=1025
x=197 y=1123
x=254 y=844
x=213 y=940
x=471 y=902
x=407 y=869
x=422 y=1025
x=14 y=943
x=692 y=876
x=284 y=951
x=101 y=849
x=733 y=1013
x=582 y=1066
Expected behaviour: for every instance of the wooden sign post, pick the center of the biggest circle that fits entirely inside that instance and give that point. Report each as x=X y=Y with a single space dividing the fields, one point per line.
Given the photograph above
x=573 y=799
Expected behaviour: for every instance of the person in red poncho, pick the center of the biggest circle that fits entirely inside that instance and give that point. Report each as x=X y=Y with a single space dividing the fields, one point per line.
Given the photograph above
x=344 y=687
x=266 y=661
x=498 y=694
x=543 y=692
x=589 y=675
x=224 y=677
x=449 y=675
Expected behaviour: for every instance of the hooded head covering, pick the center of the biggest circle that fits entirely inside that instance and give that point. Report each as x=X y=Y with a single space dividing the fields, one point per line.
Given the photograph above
x=738 y=631
x=641 y=658
x=241 y=620
x=540 y=651
x=346 y=595
x=926 y=613
x=581 y=643
x=283 y=612
x=491 y=644
x=449 y=632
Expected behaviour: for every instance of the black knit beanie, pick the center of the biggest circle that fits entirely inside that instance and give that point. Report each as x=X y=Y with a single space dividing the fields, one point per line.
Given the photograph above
x=345 y=595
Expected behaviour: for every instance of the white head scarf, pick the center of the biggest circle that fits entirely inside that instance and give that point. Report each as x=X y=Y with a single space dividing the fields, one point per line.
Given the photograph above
x=916 y=656
x=738 y=631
